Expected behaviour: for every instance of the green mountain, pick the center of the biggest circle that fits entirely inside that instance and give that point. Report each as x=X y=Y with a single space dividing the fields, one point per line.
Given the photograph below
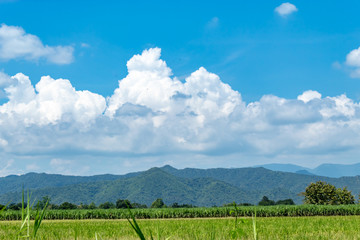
x=201 y=187
x=144 y=188
x=14 y=183
x=274 y=184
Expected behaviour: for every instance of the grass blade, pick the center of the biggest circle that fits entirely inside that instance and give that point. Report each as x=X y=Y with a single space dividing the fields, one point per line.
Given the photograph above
x=39 y=217
x=254 y=225
x=135 y=226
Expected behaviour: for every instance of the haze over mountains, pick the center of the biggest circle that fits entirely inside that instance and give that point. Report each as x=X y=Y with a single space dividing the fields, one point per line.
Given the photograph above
x=200 y=187
x=328 y=170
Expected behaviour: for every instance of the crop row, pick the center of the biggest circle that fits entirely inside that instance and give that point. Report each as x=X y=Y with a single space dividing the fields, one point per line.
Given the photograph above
x=261 y=211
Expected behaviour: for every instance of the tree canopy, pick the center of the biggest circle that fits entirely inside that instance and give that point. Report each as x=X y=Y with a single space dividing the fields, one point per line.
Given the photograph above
x=323 y=193
x=158 y=203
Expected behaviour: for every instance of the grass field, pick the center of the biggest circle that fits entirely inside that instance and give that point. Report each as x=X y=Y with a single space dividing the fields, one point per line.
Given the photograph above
x=335 y=227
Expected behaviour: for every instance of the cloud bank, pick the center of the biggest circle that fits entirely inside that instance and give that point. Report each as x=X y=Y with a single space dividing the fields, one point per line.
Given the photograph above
x=152 y=113
x=285 y=9
x=15 y=43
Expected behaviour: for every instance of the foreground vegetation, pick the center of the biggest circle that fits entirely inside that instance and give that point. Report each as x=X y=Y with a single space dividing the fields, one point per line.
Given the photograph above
x=261 y=211
x=208 y=227
x=338 y=227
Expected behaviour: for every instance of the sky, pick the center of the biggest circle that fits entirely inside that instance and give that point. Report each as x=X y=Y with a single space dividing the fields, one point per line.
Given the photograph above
x=94 y=87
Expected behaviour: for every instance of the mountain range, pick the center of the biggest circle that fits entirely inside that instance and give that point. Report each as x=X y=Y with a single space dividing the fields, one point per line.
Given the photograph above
x=328 y=170
x=200 y=187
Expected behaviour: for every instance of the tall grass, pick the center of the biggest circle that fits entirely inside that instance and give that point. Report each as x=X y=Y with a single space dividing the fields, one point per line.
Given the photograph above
x=254 y=225
x=235 y=233
x=24 y=231
x=335 y=228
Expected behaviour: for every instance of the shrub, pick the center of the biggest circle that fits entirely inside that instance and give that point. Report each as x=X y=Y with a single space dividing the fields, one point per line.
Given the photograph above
x=158 y=203
x=265 y=201
x=120 y=203
x=322 y=193
x=67 y=205
x=107 y=205
x=285 y=202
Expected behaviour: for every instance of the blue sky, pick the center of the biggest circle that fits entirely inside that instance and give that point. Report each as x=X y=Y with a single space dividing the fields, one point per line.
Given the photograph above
x=286 y=87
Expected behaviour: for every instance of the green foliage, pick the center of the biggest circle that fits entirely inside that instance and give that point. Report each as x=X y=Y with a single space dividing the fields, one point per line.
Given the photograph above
x=334 y=228
x=15 y=206
x=176 y=205
x=344 y=196
x=265 y=201
x=26 y=216
x=236 y=232
x=135 y=225
x=322 y=193
x=92 y=205
x=107 y=205
x=245 y=204
x=2 y=207
x=45 y=201
x=138 y=205
x=156 y=213
x=158 y=203
x=285 y=202
x=123 y=203
x=67 y=205
x=39 y=215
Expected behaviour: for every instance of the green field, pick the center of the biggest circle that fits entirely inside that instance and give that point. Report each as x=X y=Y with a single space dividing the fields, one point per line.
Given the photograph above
x=150 y=213
x=336 y=227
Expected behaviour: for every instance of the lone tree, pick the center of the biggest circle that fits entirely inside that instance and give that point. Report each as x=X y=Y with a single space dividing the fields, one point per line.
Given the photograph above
x=123 y=203
x=158 y=203
x=265 y=201
x=323 y=193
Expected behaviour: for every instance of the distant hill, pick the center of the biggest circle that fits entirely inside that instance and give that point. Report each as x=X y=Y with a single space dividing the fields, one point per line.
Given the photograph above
x=14 y=183
x=337 y=170
x=201 y=187
x=327 y=170
x=304 y=172
x=283 y=167
x=145 y=188
x=274 y=184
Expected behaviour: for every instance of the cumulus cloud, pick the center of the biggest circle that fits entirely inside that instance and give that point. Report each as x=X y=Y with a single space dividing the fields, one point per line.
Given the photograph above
x=15 y=43
x=50 y=102
x=309 y=95
x=353 y=61
x=152 y=113
x=286 y=9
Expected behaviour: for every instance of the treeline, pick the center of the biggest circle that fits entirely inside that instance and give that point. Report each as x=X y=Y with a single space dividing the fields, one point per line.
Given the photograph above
x=119 y=204
x=265 y=201
x=125 y=203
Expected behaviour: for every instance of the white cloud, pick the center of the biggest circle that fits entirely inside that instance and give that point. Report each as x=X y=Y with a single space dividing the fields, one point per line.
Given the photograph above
x=309 y=95
x=5 y=168
x=353 y=61
x=50 y=102
x=153 y=115
x=286 y=9
x=4 y=80
x=353 y=58
x=32 y=167
x=15 y=43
